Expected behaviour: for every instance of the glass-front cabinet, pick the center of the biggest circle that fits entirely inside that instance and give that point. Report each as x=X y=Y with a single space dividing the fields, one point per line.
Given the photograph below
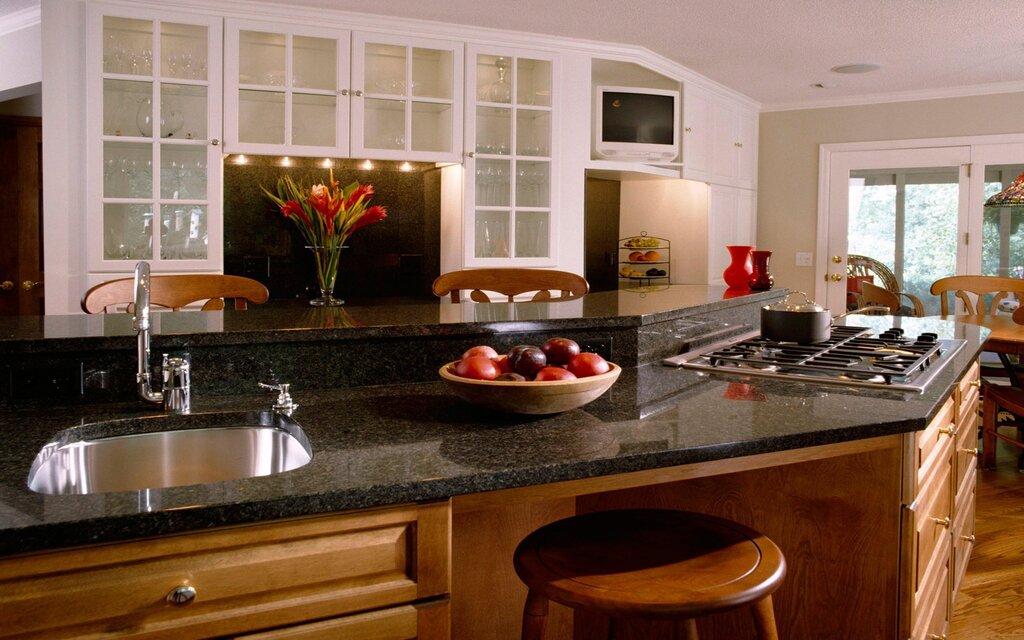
x=509 y=169
x=154 y=161
x=309 y=91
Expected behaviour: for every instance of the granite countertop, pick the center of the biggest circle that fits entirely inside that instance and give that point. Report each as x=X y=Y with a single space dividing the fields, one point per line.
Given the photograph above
x=391 y=444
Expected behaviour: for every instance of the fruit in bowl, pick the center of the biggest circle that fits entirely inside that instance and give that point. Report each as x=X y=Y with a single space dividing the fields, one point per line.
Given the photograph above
x=549 y=379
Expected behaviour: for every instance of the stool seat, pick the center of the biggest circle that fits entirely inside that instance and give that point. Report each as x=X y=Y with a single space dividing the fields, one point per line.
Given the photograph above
x=649 y=563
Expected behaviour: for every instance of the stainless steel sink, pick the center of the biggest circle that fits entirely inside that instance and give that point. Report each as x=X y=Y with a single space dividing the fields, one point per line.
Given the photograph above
x=169 y=451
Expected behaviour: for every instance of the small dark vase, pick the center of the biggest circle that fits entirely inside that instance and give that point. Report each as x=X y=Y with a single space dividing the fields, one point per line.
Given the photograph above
x=760 y=278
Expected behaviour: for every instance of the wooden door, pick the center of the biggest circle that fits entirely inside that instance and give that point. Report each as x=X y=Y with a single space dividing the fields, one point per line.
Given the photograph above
x=21 y=208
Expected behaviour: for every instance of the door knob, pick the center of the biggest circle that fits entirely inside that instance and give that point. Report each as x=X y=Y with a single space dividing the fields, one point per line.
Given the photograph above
x=835 y=277
x=837 y=259
x=28 y=285
x=6 y=285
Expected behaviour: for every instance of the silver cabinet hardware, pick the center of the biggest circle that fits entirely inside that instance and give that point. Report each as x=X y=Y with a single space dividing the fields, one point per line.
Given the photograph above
x=180 y=596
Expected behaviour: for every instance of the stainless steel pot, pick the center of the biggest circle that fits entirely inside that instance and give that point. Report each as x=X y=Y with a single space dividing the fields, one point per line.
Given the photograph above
x=802 y=322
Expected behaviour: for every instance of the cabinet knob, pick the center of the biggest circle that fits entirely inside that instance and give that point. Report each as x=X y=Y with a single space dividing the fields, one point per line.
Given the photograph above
x=471 y=154
x=28 y=285
x=688 y=129
x=969 y=538
x=343 y=92
x=945 y=522
x=215 y=142
x=182 y=595
x=973 y=451
x=357 y=93
x=739 y=145
x=948 y=430
x=934 y=636
x=6 y=285
x=975 y=383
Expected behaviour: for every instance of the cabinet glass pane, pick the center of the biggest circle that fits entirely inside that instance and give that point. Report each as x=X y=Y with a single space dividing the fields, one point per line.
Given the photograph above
x=127 y=232
x=492 y=183
x=493 y=79
x=432 y=73
x=385 y=69
x=182 y=172
x=533 y=82
x=533 y=184
x=431 y=126
x=183 y=232
x=493 y=130
x=384 y=124
x=261 y=58
x=127 y=170
x=261 y=117
x=183 y=111
x=314 y=120
x=314 y=63
x=491 y=234
x=533 y=133
x=127 y=46
x=532 y=234
x=183 y=51
x=127 y=108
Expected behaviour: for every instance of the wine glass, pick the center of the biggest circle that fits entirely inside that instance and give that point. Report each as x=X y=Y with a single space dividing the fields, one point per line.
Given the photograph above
x=500 y=91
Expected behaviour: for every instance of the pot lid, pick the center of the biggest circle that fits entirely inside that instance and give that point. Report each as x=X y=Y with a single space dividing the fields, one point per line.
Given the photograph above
x=806 y=306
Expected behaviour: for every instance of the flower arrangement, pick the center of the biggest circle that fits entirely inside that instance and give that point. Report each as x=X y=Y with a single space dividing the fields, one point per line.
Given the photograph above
x=326 y=215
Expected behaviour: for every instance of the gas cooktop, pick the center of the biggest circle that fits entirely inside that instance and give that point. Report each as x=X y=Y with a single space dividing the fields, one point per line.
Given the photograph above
x=852 y=356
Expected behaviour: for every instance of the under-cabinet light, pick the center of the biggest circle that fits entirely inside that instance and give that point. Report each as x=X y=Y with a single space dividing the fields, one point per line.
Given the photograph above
x=366 y=165
x=286 y=161
x=405 y=166
x=240 y=159
x=327 y=163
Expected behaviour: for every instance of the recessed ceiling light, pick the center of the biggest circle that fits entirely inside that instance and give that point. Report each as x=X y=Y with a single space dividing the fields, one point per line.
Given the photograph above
x=824 y=85
x=856 y=68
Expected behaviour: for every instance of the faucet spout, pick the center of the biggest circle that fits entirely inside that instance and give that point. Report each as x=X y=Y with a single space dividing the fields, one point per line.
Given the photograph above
x=141 y=325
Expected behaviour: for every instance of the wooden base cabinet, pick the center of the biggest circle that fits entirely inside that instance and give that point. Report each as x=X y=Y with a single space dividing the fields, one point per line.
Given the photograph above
x=381 y=574
x=938 y=514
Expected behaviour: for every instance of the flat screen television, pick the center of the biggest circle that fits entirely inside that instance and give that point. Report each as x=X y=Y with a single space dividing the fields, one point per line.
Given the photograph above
x=634 y=123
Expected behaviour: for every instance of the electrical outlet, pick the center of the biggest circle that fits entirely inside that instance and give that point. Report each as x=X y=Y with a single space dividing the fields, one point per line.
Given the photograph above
x=804 y=259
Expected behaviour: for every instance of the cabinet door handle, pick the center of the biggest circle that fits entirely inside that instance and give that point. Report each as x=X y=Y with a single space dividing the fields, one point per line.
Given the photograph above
x=182 y=595
x=739 y=145
x=6 y=285
x=471 y=154
x=343 y=92
x=215 y=142
x=688 y=129
x=357 y=93
x=973 y=451
x=975 y=383
x=945 y=522
x=969 y=538
x=948 y=430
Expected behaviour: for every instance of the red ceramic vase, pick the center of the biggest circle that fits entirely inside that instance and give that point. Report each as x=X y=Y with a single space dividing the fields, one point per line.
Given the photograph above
x=760 y=278
x=737 y=274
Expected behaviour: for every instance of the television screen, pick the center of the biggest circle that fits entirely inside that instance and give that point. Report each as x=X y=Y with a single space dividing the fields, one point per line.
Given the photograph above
x=637 y=117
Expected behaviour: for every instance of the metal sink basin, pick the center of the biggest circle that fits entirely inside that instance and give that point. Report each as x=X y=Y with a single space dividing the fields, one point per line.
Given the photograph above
x=168 y=451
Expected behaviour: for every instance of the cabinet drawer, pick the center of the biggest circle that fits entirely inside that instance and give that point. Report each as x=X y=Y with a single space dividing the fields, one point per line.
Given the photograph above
x=963 y=529
x=931 y=516
x=245 y=578
x=968 y=386
x=407 y=622
x=931 y=608
x=931 y=449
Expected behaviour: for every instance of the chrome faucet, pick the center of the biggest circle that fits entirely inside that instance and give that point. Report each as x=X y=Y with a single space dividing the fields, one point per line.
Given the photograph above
x=176 y=396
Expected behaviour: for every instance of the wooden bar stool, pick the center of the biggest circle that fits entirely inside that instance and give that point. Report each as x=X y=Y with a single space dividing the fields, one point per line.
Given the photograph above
x=649 y=563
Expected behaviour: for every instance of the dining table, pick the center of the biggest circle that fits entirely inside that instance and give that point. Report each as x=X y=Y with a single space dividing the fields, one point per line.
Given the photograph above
x=1006 y=339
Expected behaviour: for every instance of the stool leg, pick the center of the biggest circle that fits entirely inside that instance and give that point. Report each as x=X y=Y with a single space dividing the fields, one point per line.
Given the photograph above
x=764 y=619
x=690 y=629
x=535 y=616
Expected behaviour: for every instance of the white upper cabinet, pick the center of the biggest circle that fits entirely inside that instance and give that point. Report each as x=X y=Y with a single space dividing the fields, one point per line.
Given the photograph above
x=696 y=138
x=731 y=221
x=406 y=101
x=153 y=129
x=318 y=91
x=286 y=90
x=733 y=144
x=511 y=169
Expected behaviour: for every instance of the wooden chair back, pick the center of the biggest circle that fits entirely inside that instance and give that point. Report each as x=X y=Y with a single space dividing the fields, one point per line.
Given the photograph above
x=871 y=294
x=510 y=283
x=972 y=291
x=174 y=292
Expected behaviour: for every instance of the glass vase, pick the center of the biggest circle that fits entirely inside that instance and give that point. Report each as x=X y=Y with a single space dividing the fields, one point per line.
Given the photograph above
x=760 y=278
x=737 y=274
x=326 y=263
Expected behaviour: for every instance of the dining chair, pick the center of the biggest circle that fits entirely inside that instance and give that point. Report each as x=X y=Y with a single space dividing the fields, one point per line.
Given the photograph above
x=972 y=290
x=176 y=291
x=511 y=282
x=862 y=270
x=1002 y=399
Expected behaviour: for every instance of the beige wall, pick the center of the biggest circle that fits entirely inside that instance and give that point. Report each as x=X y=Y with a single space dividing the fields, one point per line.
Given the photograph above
x=675 y=210
x=788 y=159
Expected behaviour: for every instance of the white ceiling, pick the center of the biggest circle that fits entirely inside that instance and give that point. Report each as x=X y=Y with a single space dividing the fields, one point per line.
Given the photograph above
x=774 y=50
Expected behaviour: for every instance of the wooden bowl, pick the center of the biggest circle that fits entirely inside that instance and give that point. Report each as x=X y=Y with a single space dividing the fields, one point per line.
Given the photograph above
x=534 y=398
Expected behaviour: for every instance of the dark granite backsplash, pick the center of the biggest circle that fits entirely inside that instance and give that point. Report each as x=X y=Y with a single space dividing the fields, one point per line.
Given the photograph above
x=398 y=257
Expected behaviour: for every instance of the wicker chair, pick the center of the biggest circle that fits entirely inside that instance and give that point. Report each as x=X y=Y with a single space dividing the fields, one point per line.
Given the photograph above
x=865 y=270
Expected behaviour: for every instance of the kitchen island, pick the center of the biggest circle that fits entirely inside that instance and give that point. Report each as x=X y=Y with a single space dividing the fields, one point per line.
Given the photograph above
x=824 y=470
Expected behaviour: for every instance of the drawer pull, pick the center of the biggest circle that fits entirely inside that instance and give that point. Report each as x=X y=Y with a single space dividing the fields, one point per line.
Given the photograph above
x=975 y=383
x=932 y=636
x=948 y=430
x=969 y=538
x=945 y=522
x=973 y=451
x=182 y=595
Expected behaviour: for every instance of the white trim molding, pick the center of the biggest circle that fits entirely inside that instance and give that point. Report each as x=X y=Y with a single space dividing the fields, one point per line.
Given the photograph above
x=901 y=96
x=21 y=19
